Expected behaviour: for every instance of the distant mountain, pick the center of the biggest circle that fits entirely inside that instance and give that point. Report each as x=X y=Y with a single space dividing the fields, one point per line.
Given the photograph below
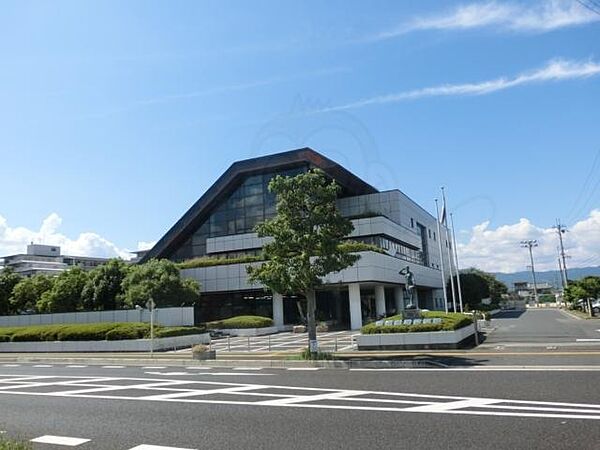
x=550 y=276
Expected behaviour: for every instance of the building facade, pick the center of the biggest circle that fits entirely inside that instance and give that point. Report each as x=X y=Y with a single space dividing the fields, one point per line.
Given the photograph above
x=220 y=225
x=47 y=259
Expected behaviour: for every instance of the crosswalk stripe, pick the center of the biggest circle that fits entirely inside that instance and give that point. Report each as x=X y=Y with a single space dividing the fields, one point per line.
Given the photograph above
x=60 y=440
x=158 y=447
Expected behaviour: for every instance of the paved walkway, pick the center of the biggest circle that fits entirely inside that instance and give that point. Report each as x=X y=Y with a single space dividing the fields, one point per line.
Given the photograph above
x=285 y=342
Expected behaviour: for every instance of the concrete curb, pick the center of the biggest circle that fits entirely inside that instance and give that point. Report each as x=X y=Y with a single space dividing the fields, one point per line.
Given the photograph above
x=410 y=362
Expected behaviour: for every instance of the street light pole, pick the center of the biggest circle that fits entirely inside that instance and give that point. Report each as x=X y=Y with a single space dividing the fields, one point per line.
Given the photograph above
x=151 y=305
x=530 y=244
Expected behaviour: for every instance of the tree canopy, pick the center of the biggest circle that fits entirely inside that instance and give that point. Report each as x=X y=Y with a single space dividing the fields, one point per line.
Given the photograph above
x=65 y=294
x=104 y=287
x=588 y=287
x=29 y=291
x=159 y=279
x=8 y=280
x=306 y=230
x=477 y=285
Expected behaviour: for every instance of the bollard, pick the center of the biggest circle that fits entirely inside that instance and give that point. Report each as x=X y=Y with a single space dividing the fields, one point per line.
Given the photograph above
x=269 y=342
x=335 y=347
x=228 y=343
x=248 y=343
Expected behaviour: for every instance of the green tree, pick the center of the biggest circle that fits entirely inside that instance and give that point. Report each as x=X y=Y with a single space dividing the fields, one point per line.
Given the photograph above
x=588 y=287
x=477 y=285
x=160 y=280
x=307 y=231
x=28 y=292
x=65 y=295
x=8 y=280
x=104 y=287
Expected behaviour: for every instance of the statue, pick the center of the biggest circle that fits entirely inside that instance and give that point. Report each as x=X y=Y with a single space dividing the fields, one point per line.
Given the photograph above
x=410 y=285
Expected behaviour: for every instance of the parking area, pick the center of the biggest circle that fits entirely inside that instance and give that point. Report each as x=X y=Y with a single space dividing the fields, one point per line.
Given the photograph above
x=285 y=342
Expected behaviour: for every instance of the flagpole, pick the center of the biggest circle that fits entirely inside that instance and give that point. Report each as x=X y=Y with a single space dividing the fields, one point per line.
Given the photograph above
x=448 y=245
x=460 y=300
x=439 y=239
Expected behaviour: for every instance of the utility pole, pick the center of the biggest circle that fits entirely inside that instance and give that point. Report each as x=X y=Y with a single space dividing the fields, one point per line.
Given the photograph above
x=448 y=249
x=530 y=244
x=561 y=229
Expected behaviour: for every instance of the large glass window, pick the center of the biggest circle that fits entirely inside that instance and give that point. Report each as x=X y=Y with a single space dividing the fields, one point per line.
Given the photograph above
x=248 y=205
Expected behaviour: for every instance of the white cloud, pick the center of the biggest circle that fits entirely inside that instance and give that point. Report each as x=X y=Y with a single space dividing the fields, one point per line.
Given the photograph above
x=498 y=250
x=142 y=245
x=542 y=17
x=15 y=240
x=555 y=70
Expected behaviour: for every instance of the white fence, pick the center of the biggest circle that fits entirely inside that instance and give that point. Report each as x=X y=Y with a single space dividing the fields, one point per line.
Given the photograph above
x=182 y=316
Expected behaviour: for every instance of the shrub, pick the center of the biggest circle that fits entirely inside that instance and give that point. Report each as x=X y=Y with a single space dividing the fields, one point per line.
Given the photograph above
x=450 y=322
x=178 y=331
x=207 y=261
x=9 y=444
x=353 y=246
x=91 y=332
x=241 y=322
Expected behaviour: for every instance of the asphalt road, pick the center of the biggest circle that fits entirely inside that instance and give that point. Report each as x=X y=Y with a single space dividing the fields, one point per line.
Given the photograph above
x=128 y=407
x=545 y=326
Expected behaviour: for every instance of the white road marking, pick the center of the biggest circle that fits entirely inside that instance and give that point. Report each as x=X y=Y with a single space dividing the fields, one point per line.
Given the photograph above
x=247 y=368
x=74 y=366
x=60 y=440
x=266 y=395
x=154 y=367
x=42 y=365
x=303 y=368
x=588 y=340
x=158 y=447
x=198 y=368
x=113 y=367
x=11 y=365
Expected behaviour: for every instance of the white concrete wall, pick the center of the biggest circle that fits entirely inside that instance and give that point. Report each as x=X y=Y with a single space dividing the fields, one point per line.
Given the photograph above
x=424 y=338
x=372 y=266
x=132 y=345
x=164 y=316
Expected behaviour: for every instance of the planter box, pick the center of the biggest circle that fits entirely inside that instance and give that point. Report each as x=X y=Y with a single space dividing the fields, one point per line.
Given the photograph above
x=203 y=356
x=409 y=341
x=248 y=331
x=130 y=345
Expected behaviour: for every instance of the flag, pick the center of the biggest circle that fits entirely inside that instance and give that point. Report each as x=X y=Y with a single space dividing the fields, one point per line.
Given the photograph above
x=443 y=216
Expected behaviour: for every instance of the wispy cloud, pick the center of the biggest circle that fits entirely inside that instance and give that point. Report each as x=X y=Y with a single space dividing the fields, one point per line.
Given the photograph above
x=542 y=17
x=234 y=87
x=555 y=70
x=216 y=90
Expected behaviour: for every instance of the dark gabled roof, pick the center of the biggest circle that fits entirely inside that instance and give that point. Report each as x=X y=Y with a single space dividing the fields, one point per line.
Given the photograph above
x=194 y=217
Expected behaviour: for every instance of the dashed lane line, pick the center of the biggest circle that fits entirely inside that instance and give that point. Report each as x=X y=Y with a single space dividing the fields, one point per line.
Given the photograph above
x=60 y=440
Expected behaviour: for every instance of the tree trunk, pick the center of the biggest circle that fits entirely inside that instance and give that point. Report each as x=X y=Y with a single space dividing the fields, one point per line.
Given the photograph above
x=311 y=307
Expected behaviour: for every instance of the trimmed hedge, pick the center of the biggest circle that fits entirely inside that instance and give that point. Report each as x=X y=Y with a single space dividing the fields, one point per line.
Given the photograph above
x=353 y=246
x=450 y=322
x=238 y=322
x=91 y=332
x=207 y=261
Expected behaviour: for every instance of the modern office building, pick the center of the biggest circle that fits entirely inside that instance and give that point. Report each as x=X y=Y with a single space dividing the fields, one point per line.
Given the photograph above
x=47 y=259
x=220 y=225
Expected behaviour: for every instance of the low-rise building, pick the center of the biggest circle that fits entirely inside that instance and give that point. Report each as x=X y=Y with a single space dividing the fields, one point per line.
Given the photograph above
x=47 y=259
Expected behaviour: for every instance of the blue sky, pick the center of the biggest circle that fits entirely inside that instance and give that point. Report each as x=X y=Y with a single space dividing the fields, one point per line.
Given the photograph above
x=117 y=116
